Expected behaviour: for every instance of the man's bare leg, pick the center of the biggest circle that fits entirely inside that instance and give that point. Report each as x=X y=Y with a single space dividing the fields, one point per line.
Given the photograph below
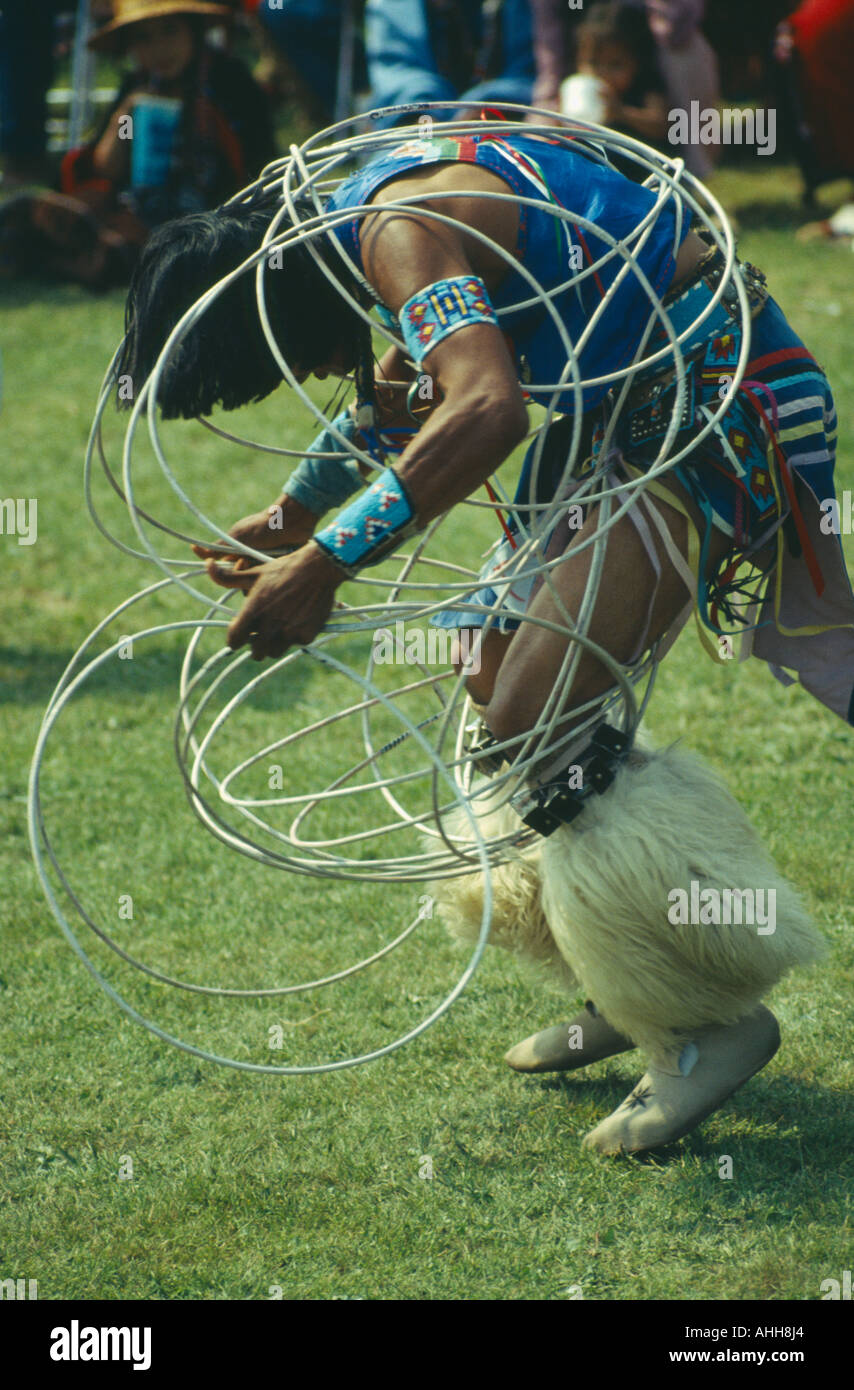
x=629 y=594
x=514 y=682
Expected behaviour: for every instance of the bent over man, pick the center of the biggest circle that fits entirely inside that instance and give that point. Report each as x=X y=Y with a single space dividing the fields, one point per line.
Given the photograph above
x=598 y=893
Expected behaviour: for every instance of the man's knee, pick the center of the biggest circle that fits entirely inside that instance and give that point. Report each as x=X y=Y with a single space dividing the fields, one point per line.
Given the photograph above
x=524 y=693
x=478 y=689
x=514 y=708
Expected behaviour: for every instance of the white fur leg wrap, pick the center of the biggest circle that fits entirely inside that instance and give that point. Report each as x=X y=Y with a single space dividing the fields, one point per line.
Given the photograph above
x=665 y=823
x=518 y=921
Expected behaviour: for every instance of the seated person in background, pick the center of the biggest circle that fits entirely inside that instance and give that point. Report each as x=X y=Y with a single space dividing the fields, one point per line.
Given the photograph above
x=444 y=50
x=189 y=127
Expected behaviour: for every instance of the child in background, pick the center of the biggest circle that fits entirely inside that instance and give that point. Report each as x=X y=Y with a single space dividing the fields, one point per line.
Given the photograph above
x=189 y=128
x=615 y=44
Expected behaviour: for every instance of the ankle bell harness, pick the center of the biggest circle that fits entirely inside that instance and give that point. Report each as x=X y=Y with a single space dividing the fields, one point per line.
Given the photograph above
x=560 y=800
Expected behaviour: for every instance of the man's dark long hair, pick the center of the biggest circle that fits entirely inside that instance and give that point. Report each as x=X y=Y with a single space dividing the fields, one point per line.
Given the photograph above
x=224 y=359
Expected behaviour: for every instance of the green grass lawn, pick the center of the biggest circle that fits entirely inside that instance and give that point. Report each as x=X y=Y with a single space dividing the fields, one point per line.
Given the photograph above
x=317 y=1187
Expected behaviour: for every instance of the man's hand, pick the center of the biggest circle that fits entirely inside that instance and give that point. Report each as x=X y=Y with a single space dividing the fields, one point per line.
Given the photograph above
x=284 y=523
x=288 y=600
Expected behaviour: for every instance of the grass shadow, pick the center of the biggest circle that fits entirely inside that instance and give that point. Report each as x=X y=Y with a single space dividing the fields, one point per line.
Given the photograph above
x=780 y=215
x=813 y=1112
x=25 y=291
x=28 y=676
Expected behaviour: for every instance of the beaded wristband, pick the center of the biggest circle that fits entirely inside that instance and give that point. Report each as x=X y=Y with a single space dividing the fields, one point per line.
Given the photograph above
x=370 y=527
x=443 y=308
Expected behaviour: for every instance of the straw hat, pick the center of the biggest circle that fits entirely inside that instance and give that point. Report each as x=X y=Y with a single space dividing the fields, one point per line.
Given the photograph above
x=127 y=12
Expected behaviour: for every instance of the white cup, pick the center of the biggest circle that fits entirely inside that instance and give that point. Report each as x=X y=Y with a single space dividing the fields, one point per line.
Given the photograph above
x=583 y=96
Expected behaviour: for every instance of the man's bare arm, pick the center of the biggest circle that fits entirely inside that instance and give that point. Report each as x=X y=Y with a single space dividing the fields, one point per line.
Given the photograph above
x=481 y=416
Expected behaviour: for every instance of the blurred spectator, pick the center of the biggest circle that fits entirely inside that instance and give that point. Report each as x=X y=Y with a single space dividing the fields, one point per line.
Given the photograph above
x=467 y=51
x=741 y=33
x=303 y=42
x=554 y=32
x=189 y=128
x=815 y=49
x=688 y=65
x=615 y=45
x=684 y=68
x=26 y=73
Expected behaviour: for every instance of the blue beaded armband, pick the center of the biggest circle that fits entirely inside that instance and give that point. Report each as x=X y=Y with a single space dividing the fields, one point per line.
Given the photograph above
x=443 y=308
x=371 y=526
